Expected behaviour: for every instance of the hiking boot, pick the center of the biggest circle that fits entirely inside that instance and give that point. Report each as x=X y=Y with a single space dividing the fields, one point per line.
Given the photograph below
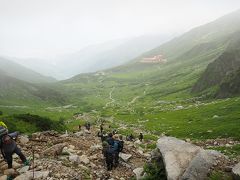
x=9 y=178
x=26 y=163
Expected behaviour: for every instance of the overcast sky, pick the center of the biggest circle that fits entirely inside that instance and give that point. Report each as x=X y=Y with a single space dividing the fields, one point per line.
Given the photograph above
x=43 y=28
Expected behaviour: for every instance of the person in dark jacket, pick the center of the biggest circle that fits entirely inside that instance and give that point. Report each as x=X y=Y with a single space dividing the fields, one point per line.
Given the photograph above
x=88 y=126
x=140 y=137
x=102 y=136
x=110 y=139
x=116 y=147
x=108 y=154
x=9 y=147
x=101 y=128
x=121 y=143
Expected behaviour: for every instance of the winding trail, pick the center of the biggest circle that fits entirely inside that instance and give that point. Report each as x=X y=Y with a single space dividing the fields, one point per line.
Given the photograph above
x=110 y=97
x=133 y=100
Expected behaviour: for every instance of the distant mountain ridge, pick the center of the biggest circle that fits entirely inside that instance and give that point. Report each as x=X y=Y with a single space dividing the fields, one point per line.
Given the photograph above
x=20 y=72
x=95 y=57
x=17 y=92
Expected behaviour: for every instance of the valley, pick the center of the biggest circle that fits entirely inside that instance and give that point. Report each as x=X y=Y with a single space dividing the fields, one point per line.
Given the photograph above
x=192 y=93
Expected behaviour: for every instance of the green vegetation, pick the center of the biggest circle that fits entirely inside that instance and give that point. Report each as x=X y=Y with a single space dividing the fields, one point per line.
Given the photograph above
x=153 y=98
x=231 y=151
x=27 y=123
x=218 y=175
x=155 y=170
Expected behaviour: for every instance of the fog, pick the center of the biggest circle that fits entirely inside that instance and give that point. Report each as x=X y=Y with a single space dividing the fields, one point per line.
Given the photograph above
x=46 y=28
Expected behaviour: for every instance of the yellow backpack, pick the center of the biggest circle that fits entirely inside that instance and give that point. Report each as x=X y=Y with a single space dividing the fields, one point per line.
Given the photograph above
x=3 y=124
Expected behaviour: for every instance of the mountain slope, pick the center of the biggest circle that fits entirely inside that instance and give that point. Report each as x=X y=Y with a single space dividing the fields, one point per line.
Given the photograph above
x=147 y=84
x=227 y=63
x=18 y=92
x=230 y=85
x=216 y=31
x=20 y=72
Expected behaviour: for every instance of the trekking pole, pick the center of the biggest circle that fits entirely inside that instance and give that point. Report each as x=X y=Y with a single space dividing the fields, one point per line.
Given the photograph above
x=33 y=160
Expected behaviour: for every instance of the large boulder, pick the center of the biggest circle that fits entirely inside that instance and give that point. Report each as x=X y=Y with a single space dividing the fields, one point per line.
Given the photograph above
x=236 y=172
x=201 y=165
x=177 y=155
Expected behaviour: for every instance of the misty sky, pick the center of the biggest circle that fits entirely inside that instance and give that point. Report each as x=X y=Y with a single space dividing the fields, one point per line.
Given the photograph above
x=45 y=28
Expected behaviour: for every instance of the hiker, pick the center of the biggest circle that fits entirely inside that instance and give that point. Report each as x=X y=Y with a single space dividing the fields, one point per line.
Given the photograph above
x=110 y=139
x=121 y=143
x=2 y=124
x=116 y=147
x=130 y=137
x=9 y=147
x=102 y=136
x=87 y=126
x=114 y=132
x=140 y=137
x=108 y=154
x=101 y=128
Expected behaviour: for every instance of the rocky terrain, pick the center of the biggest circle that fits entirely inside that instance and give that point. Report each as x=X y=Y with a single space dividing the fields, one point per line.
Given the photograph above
x=78 y=155
x=71 y=156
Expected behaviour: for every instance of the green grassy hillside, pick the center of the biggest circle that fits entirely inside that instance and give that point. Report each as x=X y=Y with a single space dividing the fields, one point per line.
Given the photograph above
x=20 y=93
x=160 y=94
x=217 y=71
x=154 y=97
x=20 y=72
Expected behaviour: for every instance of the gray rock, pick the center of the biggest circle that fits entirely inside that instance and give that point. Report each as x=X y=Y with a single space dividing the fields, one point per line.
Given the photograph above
x=236 y=172
x=139 y=173
x=125 y=157
x=4 y=177
x=155 y=154
x=96 y=147
x=9 y=172
x=23 y=169
x=177 y=154
x=16 y=165
x=74 y=158
x=54 y=150
x=84 y=159
x=201 y=165
x=78 y=134
x=23 y=140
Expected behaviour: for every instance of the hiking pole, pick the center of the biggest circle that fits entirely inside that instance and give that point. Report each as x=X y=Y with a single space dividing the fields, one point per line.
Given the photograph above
x=33 y=160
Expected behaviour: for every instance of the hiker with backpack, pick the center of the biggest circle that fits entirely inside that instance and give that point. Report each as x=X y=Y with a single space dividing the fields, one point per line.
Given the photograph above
x=116 y=149
x=9 y=147
x=108 y=154
x=110 y=139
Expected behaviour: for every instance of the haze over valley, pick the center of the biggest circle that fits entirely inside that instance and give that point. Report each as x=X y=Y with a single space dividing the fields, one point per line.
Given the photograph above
x=167 y=69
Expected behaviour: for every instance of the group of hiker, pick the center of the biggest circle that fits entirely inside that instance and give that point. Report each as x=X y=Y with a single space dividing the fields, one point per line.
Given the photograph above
x=112 y=145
